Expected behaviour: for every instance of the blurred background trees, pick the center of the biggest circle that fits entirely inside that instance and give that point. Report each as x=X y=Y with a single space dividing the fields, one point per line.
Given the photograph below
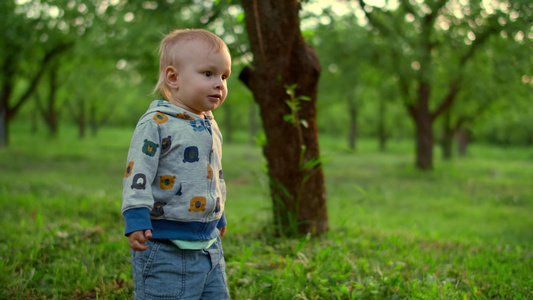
x=428 y=71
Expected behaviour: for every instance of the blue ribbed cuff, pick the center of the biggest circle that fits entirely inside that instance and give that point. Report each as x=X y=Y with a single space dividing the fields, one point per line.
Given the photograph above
x=222 y=222
x=137 y=219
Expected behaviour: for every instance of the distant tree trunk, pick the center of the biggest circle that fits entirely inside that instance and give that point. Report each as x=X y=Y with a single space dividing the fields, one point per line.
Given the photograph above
x=463 y=139
x=425 y=42
x=78 y=111
x=446 y=146
x=352 y=116
x=457 y=130
x=10 y=67
x=82 y=120
x=7 y=88
x=3 y=126
x=93 y=123
x=447 y=137
x=282 y=58
x=424 y=128
x=529 y=138
x=50 y=114
x=382 y=130
x=424 y=119
x=424 y=143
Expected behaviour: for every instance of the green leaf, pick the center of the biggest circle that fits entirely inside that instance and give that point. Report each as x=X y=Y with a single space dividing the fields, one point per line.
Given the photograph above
x=308 y=33
x=291 y=87
x=288 y=118
x=240 y=18
x=312 y=163
x=345 y=290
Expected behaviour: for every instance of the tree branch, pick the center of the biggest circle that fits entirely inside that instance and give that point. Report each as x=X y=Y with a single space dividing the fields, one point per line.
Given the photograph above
x=380 y=26
x=455 y=84
x=480 y=40
x=408 y=7
x=246 y=75
x=463 y=119
x=453 y=89
x=34 y=82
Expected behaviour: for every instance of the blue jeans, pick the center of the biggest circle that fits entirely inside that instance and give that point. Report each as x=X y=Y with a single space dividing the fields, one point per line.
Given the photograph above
x=165 y=271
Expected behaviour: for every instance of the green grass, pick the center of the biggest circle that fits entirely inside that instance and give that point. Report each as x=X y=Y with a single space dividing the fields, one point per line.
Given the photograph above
x=462 y=231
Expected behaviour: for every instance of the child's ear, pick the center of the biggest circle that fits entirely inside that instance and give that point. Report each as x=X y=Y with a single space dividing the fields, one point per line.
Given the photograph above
x=171 y=77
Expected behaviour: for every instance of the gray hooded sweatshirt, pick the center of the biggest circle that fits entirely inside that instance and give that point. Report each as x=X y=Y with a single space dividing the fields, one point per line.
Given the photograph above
x=174 y=183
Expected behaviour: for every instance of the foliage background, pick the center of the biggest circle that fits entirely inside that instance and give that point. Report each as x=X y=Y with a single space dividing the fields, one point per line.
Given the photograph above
x=108 y=71
x=462 y=231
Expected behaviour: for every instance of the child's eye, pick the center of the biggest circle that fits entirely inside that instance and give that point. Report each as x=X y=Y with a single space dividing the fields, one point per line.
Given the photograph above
x=208 y=74
x=224 y=77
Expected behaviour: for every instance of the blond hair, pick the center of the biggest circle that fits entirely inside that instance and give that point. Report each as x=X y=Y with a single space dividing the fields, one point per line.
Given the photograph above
x=169 y=52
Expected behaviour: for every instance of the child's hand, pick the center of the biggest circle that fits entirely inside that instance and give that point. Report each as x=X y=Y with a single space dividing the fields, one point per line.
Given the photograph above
x=138 y=238
x=222 y=231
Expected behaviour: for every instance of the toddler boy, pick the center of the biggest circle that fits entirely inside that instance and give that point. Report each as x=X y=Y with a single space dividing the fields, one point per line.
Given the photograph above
x=173 y=188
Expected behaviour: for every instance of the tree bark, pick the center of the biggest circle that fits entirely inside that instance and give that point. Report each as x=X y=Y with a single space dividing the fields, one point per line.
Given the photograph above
x=447 y=137
x=382 y=129
x=463 y=139
x=93 y=123
x=424 y=128
x=82 y=119
x=7 y=88
x=352 y=115
x=3 y=126
x=51 y=114
x=282 y=58
x=424 y=141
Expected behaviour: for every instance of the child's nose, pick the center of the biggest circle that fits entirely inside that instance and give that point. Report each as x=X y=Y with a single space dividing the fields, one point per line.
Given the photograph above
x=219 y=84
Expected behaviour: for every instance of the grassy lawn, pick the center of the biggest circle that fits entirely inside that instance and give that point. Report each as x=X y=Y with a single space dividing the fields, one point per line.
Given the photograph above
x=462 y=231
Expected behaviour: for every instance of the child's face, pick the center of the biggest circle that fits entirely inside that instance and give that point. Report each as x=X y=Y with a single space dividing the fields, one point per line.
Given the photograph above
x=200 y=82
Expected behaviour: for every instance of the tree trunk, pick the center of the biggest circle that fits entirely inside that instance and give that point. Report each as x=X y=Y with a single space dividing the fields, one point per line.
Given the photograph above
x=446 y=147
x=10 y=68
x=447 y=137
x=382 y=130
x=51 y=114
x=3 y=126
x=424 y=143
x=282 y=58
x=424 y=130
x=352 y=115
x=93 y=123
x=82 y=120
x=529 y=138
x=7 y=88
x=463 y=138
